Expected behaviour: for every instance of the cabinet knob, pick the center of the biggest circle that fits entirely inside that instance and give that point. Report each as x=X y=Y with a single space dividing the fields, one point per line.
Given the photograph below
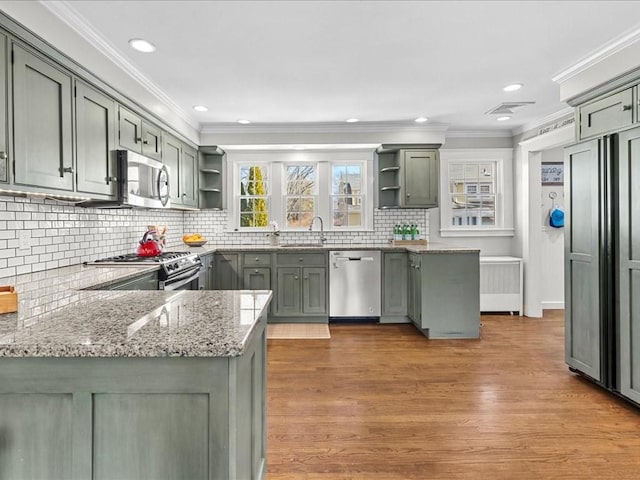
x=295 y=277
x=626 y=107
x=257 y=259
x=306 y=278
x=146 y=142
x=256 y=271
x=3 y=155
x=184 y=195
x=112 y=179
x=138 y=139
x=300 y=259
x=408 y=195
x=68 y=170
x=210 y=267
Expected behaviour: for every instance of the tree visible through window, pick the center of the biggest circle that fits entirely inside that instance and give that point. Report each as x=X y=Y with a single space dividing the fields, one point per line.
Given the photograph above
x=300 y=198
x=346 y=198
x=254 y=210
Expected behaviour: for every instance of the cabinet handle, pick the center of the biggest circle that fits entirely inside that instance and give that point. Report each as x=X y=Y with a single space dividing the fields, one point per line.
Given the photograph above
x=67 y=170
x=138 y=139
x=112 y=179
x=3 y=155
x=210 y=267
x=146 y=142
x=184 y=195
x=626 y=107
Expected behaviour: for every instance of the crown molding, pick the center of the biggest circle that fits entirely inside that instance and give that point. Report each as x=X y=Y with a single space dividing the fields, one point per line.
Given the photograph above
x=479 y=134
x=327 y=127
x=64 y=10
x=607 y=50
x=553 y=117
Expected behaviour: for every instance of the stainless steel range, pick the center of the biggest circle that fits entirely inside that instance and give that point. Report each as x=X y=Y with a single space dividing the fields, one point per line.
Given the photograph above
x=178 y=270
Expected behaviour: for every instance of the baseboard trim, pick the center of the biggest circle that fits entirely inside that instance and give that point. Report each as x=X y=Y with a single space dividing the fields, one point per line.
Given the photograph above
x=552 y=305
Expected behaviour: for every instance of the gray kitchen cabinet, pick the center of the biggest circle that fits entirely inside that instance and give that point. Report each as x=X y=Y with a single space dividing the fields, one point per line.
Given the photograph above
x=226 y=271
x=419 y=178
x=151 y=141
x=395 y=279
x=256 y=278
x=4 y=119
x=129 y=130
x=583 y=258
x=607 y=114
x=189 y=176
x=171 y=155
x=207 y=273
x=629 y=262
x=414 y=291
x=301 y=287
x=95 y=141
x=211 y=178
x=42 y=123
x=138 y=135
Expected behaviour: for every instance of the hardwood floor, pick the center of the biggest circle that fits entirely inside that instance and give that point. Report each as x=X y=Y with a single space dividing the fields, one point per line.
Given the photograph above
x=383 y=402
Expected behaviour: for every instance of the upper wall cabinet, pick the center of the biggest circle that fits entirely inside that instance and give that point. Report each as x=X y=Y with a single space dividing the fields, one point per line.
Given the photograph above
x=96 y=116
x=182 y=162
x=42 y=123
x=607 y=114
x=138 y=135
x=407 y=177
x=4 y=155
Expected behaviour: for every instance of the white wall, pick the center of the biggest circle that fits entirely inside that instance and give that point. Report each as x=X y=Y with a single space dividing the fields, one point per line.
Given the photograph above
x=552 y=249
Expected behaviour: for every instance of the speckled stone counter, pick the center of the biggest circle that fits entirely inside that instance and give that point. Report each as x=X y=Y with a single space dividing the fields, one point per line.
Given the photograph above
x=138 y=324
x=284 y=247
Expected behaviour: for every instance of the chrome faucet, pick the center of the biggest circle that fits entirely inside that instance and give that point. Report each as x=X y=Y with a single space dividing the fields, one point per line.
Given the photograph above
x=322 y=237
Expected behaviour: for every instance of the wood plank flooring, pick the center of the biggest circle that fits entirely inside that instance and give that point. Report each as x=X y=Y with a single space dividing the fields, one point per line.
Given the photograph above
x=383 y=402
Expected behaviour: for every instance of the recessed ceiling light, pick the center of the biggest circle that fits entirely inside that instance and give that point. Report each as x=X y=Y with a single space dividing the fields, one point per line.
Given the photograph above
x=421 y=119
x=513 y=87
x=244 y=121
x=200 y=108
x=352 y=120
x=503 y=119
x=142 y=45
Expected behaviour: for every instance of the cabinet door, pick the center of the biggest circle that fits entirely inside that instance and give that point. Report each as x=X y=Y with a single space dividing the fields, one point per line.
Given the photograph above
x=41 y=123
x=130 y=130
x=257 y=279
x=288 y=291
x=420 y=178
x=95 y=141
x=225 y=271
x=151 y=141
x=394 y=284
x=171 y=154
x=189 y=176
x=607 y=114
x=629 y=263
x=582 y=258
x=314 y=290
x=4 y=152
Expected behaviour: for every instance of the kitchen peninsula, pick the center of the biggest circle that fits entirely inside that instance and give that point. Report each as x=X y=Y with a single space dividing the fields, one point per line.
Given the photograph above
x=131 y=384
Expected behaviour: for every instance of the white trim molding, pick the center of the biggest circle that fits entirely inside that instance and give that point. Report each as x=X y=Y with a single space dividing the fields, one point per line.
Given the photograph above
x=607 y=50
x=64 y=11
x=551 y=118
x=326 y=127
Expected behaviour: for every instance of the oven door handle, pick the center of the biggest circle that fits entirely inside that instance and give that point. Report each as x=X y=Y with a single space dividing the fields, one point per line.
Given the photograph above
x=178 y=282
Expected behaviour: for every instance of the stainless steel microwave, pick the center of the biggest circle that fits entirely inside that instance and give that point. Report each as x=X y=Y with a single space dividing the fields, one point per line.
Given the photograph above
x=142 y=182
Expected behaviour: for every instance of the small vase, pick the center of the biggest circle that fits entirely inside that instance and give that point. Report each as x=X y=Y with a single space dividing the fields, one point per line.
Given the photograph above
x=274 y=240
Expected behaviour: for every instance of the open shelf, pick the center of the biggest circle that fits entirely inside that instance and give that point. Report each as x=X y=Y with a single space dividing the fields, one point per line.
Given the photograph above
x=211 y=169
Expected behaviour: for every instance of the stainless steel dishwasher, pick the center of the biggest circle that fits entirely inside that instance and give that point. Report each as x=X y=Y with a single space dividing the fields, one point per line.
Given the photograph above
x=354 y=284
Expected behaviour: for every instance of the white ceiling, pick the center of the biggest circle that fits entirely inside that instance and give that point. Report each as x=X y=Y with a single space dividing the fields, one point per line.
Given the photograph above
x=379 y=61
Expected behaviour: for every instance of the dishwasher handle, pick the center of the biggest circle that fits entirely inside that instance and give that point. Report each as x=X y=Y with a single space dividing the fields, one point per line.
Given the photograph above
x=351 y=259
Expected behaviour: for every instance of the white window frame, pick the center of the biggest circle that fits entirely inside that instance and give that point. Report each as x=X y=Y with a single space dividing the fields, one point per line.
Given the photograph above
x=284 y=195
x=503 y=160
x=276 y=161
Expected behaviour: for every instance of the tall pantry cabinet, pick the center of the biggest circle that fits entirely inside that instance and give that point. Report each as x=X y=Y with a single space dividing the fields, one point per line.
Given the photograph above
x=602 y=244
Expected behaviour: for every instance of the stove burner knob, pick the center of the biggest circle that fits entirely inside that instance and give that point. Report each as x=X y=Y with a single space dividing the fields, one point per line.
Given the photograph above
x=169 y=267
x=175 y=265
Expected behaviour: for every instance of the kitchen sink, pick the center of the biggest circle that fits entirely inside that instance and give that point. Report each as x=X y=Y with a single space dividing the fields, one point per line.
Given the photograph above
x=301 y=245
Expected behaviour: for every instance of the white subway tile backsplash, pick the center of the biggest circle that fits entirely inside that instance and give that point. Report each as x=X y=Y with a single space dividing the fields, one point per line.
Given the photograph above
x=62 y=235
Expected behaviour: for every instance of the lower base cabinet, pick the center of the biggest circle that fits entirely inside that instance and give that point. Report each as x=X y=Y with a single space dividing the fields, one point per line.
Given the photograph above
x=301 y=292
x=142 y=418
x=394 y=287
x=226 y=271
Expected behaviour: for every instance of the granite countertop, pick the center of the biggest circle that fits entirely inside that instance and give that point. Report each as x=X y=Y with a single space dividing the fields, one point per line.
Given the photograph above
x=139 y=324
x=429 y=248
x=57 y=318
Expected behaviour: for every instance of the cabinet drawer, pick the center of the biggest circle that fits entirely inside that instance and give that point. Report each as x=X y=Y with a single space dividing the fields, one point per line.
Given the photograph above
x=301 y=259
x=607 y=114
x=256 y=259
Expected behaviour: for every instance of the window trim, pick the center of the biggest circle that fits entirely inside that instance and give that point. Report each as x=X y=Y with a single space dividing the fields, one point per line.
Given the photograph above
x=503 y=158
x=276 y=161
